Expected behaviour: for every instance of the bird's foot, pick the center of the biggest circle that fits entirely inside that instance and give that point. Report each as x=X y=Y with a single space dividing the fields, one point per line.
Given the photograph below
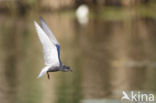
x=48 y=76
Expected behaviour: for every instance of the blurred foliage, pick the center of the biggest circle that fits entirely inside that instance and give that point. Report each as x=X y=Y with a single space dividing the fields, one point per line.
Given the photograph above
x=22 y=6
x=17 y=6
x=120 y=13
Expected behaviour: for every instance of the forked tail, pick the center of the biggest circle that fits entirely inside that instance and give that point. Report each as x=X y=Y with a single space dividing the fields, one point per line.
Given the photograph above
x=43 y=71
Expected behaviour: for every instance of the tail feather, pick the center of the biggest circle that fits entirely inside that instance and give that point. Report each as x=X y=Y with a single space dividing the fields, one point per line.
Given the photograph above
x=43 y=71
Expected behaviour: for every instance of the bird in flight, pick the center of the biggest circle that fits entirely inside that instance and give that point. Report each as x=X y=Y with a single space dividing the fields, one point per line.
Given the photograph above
x=51 y=50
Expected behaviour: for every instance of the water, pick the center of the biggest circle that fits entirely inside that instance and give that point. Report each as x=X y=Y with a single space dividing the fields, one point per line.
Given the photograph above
x=115 y=51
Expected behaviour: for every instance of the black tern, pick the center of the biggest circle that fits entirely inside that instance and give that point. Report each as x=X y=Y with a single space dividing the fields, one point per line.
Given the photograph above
x=51 y=50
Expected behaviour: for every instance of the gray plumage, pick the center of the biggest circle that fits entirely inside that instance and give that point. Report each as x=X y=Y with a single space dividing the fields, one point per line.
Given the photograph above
x=51 y=49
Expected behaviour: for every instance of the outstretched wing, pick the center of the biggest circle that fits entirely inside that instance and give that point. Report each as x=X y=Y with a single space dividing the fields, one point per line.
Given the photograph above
x=50 y=35
x=50 y=50
x=48 y=31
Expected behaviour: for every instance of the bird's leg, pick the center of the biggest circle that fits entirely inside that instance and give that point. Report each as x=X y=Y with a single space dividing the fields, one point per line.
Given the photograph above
x=48 y=75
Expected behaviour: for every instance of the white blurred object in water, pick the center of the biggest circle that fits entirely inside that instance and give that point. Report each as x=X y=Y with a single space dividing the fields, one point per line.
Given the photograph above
x=82 y=14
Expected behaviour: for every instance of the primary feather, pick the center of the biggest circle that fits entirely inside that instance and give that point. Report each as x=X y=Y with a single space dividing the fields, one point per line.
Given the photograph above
x=51 y=36
x=50 y=50
x=48 y=31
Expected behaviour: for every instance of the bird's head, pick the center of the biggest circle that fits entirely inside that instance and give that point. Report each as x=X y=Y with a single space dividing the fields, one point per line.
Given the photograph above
x=66 y=69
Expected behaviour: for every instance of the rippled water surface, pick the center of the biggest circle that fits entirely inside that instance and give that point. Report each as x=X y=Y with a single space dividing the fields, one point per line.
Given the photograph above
x=109 y=54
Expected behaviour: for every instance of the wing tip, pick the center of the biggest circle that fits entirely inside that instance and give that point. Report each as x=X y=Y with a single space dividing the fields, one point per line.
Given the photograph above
x=42 y=22
x=41 y=18
x=35 y=23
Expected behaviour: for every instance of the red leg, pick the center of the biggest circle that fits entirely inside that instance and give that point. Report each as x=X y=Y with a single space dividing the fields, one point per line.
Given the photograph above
x=48 y=75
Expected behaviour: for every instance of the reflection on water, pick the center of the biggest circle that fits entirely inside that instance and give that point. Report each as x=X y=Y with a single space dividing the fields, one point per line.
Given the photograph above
x=107 y=57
